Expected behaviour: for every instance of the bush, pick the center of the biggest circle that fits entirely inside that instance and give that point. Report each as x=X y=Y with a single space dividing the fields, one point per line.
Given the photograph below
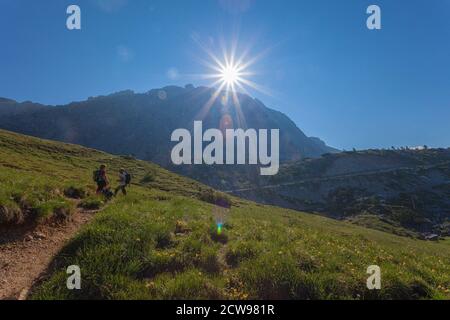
x=240 y=252
x=75 y=192
x=208 y=260
x=94 y=203
x=164 y=239
x=216 y=198
x=11 y=214
x=150 y=176
x=28 y=201
x=58 y=209
x=181 y=227
x=63 y=211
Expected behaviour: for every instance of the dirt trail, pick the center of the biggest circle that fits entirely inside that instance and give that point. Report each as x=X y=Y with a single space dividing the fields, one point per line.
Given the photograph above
x=26 y=254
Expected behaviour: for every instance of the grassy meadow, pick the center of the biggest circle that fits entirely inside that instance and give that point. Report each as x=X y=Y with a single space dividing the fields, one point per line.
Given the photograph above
x=162 y=242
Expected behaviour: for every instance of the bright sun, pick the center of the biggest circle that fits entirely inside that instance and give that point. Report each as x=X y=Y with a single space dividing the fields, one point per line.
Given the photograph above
x=230 y=78
x=230 y=75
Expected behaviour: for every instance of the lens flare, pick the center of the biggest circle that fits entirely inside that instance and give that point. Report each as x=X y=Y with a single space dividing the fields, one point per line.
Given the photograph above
x=219 y=228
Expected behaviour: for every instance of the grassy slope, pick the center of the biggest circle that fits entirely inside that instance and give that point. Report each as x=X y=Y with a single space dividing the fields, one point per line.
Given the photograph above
x=160 y=242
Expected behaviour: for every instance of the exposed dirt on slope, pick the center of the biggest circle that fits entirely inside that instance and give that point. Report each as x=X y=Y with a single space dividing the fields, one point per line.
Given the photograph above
x=25 y=253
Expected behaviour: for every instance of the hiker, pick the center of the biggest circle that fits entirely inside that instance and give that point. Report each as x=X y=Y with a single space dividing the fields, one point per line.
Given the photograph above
x=124 y=181
x=101 y=179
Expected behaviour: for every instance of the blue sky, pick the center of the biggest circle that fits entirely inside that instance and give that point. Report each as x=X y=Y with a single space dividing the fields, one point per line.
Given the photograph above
x=336 y=79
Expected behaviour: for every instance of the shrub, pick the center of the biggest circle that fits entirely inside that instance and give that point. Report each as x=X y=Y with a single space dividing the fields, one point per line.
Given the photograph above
x=43 y=211
x=94 y=203
x=164 y=239
x=63 y=211
x=28 y=201
x=181 y=227
x=150 y=176
x=216 y=198
x=75 y=192
x=58 y=209
x=208 y=260
x=10 y=213
x=240 y=252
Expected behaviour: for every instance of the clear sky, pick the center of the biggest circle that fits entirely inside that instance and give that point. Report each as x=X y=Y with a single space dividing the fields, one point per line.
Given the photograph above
x=321 y=66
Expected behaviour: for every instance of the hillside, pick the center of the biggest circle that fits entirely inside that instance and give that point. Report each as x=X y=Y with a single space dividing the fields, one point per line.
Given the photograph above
x=162 y=242
x=406 y=191
x=401 y=191
x=141 y=124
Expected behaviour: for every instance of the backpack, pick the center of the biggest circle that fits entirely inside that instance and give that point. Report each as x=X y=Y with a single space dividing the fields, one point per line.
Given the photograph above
x=127 y=178
x=97 y=176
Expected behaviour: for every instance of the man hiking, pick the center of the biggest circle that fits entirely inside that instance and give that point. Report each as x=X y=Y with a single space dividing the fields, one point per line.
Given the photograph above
x=101 y=179
x=124 y=181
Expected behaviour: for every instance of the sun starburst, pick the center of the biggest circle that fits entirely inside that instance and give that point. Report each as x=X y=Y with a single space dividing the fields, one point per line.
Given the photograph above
x=230 y=76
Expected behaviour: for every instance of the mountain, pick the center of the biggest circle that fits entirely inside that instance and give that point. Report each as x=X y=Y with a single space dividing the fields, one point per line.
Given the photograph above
x=400 y=191
x=396 y=190
x=141 y=124
x=161 y=241
x=10 y=107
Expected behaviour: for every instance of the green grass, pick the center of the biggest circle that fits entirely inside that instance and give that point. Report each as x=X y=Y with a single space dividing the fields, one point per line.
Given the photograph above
x=270 y=253
x=37 y=174
x=92 y=203
x=59 y=209
x=381 y=224
x=161 y=241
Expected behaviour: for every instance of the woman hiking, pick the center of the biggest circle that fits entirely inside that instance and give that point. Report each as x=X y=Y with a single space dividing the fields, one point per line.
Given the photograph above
x=101 y=179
